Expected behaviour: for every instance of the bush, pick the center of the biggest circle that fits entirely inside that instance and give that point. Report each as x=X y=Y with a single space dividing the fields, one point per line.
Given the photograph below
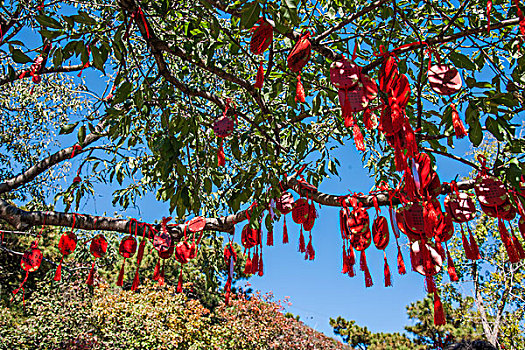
x=76 y=317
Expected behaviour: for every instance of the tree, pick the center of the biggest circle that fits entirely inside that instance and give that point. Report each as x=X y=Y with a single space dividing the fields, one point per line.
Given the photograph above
x=171 y=68
x=492 y=285
x=424 y=334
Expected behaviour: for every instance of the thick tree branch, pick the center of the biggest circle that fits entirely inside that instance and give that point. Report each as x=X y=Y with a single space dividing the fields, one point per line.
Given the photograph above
x=50 y=161
x=23 y=220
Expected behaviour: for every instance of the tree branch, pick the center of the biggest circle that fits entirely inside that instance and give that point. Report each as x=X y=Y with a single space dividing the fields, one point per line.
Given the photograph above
x=50 y=161
x=451 y=156
x=348 y=20
x=5 y=79
x=157 y=51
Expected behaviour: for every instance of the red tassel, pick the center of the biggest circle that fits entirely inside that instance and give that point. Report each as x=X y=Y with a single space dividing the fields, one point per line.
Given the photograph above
x=367 y=119
x=285 y=232
x=221 y=158
x=351 y=261
x=228 y=289
x=521 y=17
x=21 y=287
x=248 y=266
x=427 y=259
x=451 y=268
x=412 y=260
x=91 y=275
x=261 y=265
x=362 y=261
x=346 y=265
x=120 y=279
x=410 y=139
x=473 y=246
x=364 y=267
x=430 y=285
x=401 y=269
x=269 y=238
x=255 y=263
x=351 y=256
x=140 y=255
x=410 y=185
x=459 y=128
x=58 y=273
x=358 y=138
x=388 y=275
x=259 y=80
x=179 y=284
x=347 y=112
x=156 y=271
x=489 y=8
x=161 y=276
x=310 y=249
x=302 y=247
x=507 y=241
x=439 y=313
x=299 y=91
x=466 y=245
x=518 y=246
x=399 y=156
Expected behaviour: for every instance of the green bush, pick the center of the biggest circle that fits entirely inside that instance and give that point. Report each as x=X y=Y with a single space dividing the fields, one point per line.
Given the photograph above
x=73 y=316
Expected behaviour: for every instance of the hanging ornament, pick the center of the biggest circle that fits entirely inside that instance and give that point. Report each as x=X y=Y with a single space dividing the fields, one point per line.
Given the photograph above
x=183 y=253
x=380 y=233
x=66 y=245
x=427 y=261
x=162 y=238
x=98 y=248
x=262 y=37
x=300 y=211
x=460 y=206
x=230 y=258
x=444 y=79
x=127 y=248
x=30 y=262
x=223 y=127
x=140 y=251
x=297 y=59
x=285 y=205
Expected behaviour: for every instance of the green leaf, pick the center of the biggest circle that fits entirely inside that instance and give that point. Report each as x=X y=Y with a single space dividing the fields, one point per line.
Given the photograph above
x=250 y=14
x=461 y=61
x=67 y=129
x=493 y=126
x=47 y=21
x=122 y=92
x=81 y=135
x=20 y=57
x=475 y=134
x=98 y=60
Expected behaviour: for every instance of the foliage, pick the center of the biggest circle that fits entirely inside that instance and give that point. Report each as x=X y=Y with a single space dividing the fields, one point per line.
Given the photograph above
x=492 y=286
x=423 y=333
x=157 y=318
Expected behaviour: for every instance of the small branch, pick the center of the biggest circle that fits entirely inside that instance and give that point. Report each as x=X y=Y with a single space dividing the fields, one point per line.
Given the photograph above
x=48 y=162
x=453 y=20
x=348 y=20
x=440 y=40
x=5 y=79
x=451 y=156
